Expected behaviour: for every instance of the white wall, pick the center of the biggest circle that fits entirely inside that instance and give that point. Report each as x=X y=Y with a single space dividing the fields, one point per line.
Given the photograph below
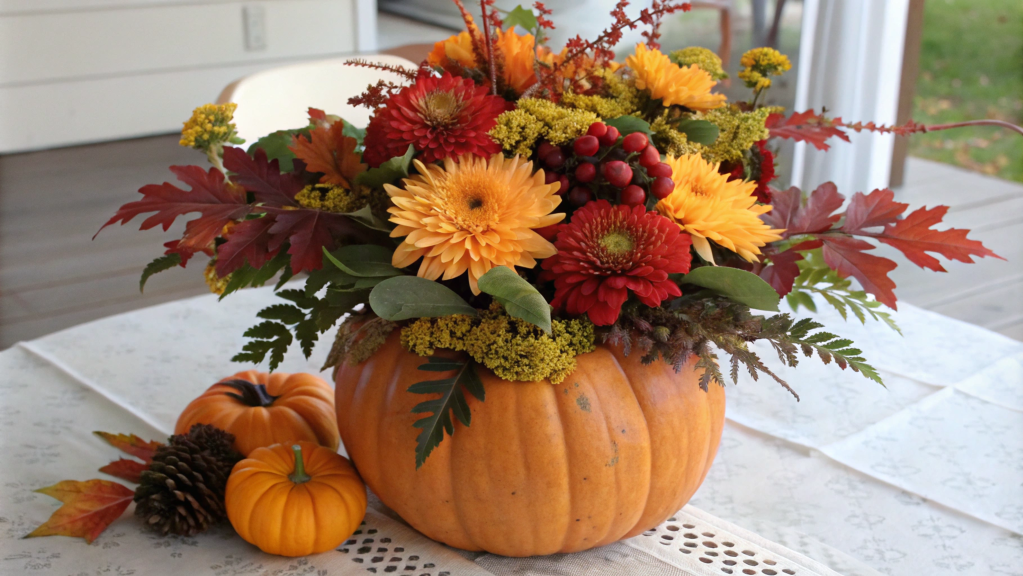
x=850 y=61
x=76 y=71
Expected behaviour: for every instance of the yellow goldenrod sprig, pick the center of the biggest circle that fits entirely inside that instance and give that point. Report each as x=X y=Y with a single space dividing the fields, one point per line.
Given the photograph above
x=705 y=58
x=760 y=63
x=209 y=128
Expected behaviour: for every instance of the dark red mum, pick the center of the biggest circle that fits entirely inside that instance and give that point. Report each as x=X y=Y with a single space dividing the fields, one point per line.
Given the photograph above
x=442 y=117
x=607 y=251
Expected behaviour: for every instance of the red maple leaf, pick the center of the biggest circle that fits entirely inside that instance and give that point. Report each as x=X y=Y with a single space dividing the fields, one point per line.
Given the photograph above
x=262 y=177
x=131 y=444
x=125 y=469
x=869 y=210
x=330 y=152
x=914 y=237
x=88 y=508
x=248 y=241
x=217 y=200
x=845 y=255
x=817 y=215
x=806 y=127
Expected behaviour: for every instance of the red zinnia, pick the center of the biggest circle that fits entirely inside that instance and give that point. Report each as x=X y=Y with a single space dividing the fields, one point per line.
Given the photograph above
x=442 y=117
x=607 y=251
x=763 y=191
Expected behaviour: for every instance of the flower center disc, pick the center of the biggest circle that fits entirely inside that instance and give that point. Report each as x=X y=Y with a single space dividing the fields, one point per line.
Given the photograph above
x=439 y=109
x=473 y=199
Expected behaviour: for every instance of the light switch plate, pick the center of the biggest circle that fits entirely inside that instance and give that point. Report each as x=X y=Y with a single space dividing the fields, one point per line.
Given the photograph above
x=254 y=22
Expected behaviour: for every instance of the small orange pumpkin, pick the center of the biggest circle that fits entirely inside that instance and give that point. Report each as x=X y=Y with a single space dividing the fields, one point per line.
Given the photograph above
x=295 y=500
x=263 y=409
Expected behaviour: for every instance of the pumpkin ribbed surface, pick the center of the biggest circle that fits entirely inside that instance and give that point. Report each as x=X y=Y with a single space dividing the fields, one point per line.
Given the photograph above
x=613 y=450
x=263 y=409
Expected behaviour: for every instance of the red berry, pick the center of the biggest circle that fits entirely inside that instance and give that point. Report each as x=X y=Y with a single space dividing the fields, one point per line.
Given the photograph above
x=555 y=159
x=585 y=172
x=610 y=137
x=633 y=195
x=563 y=180
x=658 y=170
x=544 y=149
x=662 y=187
x=649 y=157
x=580 y=195
x=635 y=142
x=597 y=129
x=586 y=145
x=550 y=177
x=618 y=173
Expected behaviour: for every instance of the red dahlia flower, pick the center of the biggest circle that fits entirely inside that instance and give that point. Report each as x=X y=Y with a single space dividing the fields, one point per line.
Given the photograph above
x=442 y=117
x=607 y=251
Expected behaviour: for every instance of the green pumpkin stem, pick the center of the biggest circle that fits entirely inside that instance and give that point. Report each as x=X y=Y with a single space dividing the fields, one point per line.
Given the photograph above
x=298 y=476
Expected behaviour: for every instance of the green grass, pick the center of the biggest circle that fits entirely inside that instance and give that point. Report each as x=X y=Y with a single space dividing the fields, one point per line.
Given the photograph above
x=971 y=67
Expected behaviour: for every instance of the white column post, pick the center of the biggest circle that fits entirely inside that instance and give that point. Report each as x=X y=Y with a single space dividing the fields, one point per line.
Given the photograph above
x=850 y=62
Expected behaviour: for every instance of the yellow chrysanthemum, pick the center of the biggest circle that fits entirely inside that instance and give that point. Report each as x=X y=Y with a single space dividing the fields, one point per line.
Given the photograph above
x=518 y=53
x=472 y=214
x=689 y=86
x=709 y=207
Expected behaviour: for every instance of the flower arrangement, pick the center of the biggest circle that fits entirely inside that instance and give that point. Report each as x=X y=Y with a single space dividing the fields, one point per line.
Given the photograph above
x=520 y=206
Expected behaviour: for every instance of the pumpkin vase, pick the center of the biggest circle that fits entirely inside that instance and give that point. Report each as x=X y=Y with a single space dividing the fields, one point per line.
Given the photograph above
x=613 y=450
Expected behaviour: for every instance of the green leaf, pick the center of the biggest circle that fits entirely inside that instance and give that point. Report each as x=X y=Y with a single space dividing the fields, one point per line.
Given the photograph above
x=629 y=124
x=798 y=298
x=735 y=284
x=388 y=172
x=520 y=16
x=285 y=313
x=405 y=297
x=365 y=217
x=451 y=401
x=276 y=145
x=519 y=297
x=268 y=338
x=699 y=131
x=353 y=131
x=165 y=262
x=363 y=260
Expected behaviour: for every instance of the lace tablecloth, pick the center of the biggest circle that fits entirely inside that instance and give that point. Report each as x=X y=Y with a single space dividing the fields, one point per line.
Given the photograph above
x=924 y=477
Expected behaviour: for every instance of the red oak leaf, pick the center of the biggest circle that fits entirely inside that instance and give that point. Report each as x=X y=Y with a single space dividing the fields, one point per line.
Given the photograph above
x=89 y=507
x=330 y=152
x=782 y=272
x=183 y=252
x=806 y=127
x=308 y=232
x=247 y=241
x=914 y=237
x=869 y=210
x=846 y=256
x=218 y=202
x=789 y=212
x=131 y=444
x=262 y=177
x=130 y=470
x=317 y=115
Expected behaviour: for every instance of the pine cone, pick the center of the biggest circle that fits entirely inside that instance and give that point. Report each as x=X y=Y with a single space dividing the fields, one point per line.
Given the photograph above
x=182 y=491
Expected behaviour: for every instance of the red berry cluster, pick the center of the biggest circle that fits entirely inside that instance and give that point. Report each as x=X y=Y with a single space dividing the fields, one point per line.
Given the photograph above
x=603 y=164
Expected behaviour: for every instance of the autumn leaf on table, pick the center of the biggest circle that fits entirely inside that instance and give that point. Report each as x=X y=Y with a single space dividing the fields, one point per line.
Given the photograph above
x=262 y=177
x=216 y=200
x=125 y=469
x=806 y=127
x=131 y=444
x=88 y=508
x=330 y=152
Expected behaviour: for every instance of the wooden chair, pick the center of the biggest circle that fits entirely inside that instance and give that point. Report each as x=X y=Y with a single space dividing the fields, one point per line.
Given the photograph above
x=724 y=8
x=279 y=98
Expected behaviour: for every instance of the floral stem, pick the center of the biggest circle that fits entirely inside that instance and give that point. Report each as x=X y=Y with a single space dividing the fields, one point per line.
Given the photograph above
x=298 y=476
x=1000 y=123
x=490 y=49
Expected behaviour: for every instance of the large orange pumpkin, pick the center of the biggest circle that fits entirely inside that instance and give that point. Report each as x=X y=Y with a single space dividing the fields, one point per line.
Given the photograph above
x=295 y=500
x=262 y=409
x=611 y=451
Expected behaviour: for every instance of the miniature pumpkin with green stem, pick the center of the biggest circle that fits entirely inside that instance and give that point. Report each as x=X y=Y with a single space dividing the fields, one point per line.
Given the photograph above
x=295 y=500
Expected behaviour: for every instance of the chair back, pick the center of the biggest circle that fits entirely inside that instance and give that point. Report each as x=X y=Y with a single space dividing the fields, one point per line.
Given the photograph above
x=279 y=98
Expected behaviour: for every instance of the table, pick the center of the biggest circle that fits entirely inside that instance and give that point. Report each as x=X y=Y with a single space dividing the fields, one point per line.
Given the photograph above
x=924 y=477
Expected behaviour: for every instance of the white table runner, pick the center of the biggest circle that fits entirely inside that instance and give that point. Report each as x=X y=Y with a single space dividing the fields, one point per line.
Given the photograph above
x=925 y=477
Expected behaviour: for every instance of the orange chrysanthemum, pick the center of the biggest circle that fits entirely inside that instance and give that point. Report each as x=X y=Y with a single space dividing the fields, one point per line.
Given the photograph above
x=710 y=207
x=687 y=86
x=472 y=214
x=517 y=52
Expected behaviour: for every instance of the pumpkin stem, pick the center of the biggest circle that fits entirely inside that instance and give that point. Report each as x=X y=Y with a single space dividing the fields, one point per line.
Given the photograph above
x=250 y=394
x=298 y=476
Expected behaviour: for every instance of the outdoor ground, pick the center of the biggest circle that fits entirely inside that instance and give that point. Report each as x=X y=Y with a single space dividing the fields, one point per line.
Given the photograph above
x=971 y=66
